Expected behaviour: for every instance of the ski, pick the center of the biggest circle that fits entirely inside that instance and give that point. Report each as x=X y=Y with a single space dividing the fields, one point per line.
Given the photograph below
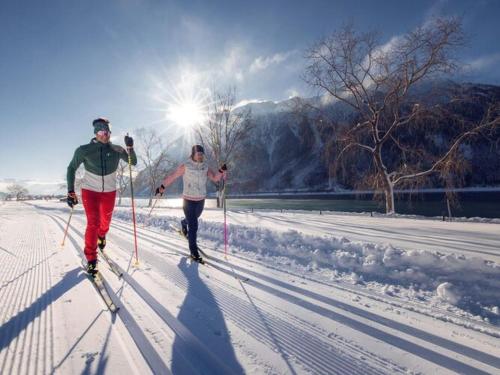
x=100 y=286
x=197 y=260
x=204 y=254
x=243 y=279
x=111 y=264
x=178 y=231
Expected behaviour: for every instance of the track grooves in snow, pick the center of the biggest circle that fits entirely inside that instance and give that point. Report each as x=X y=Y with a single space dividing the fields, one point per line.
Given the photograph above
x=291 y=338
x=410 y=346
x=153 y=359
x=319 y=356
x=275 y=322
x=421 y=308
x=26 y=333
x=205 y=361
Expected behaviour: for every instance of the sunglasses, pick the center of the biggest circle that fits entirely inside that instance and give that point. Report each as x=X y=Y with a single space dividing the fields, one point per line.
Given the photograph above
x=103 y=132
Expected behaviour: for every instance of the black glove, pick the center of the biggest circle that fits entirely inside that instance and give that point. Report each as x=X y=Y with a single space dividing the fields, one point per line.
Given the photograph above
x=160 y=190
x=223 y=168
x=129 y=141
x=72 y=199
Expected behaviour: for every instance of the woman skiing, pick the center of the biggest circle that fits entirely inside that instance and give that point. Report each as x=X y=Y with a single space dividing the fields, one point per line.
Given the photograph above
x=195 y=172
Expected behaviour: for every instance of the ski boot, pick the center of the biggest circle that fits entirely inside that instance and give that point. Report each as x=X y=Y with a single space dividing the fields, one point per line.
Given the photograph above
x=101 y=242
x=184 y=228
x=92 y=268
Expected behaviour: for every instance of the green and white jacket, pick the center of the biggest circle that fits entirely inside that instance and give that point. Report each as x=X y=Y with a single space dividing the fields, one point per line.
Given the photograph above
x=101 y=162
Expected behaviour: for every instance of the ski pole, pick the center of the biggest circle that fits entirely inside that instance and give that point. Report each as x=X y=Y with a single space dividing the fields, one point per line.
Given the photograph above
x=225 y=219
x=149 y=214
x=67 y=227
x=133 y=205
x=154 y=204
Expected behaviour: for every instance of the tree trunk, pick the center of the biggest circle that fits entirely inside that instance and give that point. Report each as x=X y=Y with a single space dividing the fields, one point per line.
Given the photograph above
x=389 y=199
x=388 y=184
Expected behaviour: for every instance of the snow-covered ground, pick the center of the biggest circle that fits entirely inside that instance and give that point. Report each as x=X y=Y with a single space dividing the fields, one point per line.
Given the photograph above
x=299 y=293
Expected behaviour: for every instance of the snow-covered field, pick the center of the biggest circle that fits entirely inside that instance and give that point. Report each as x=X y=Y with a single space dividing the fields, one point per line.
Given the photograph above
x=299 y=293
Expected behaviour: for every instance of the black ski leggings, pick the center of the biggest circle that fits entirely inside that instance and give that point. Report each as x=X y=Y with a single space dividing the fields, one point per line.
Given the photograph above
x=192 y=211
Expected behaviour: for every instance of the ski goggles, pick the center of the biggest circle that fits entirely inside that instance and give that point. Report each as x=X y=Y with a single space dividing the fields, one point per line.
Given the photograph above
x=103 y=132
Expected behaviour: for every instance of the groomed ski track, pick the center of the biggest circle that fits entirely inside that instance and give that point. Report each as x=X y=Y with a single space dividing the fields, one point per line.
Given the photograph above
x=188 y=318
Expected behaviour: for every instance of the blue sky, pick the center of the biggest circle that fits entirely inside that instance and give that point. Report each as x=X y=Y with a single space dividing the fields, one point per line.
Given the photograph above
x=65 y=62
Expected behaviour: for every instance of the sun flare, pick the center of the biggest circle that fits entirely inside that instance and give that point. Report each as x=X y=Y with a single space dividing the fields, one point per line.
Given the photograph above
x=185 y=101
x=186 y=113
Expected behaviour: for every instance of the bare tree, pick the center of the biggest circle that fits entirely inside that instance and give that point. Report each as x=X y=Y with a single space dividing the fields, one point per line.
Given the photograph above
x=122 y=178
x=18 y=191
x=225 y=129
x=377 y=82
x=153 y=154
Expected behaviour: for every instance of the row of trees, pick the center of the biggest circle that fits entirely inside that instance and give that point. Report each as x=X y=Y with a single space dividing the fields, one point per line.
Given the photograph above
x=16 y=191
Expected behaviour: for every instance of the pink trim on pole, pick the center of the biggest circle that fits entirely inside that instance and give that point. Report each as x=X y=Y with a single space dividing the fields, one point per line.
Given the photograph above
x=225 y=221
x=135 y=232
x=225 y=237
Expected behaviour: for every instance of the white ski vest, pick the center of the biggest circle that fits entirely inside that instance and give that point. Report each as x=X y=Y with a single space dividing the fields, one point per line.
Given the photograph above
x=195 y=180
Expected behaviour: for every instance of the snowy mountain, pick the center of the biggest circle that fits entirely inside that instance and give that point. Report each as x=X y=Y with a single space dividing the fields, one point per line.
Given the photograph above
x=286 y=150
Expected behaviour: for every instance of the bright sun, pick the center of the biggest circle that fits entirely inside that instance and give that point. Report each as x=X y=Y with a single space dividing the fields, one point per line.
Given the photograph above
x=186 y=112
x=186 y=100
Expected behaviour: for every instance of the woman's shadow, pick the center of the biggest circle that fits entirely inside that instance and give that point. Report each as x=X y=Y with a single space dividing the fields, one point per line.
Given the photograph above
x=201 y=314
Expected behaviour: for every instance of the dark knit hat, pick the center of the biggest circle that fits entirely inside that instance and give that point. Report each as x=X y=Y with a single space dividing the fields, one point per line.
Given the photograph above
x=197 y=148
x=101 y=124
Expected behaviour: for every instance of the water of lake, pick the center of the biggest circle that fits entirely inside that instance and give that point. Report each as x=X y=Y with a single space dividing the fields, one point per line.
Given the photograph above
x=471 y=204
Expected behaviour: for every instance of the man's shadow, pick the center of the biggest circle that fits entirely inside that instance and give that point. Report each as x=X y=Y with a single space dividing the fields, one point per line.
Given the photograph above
x=201 y=314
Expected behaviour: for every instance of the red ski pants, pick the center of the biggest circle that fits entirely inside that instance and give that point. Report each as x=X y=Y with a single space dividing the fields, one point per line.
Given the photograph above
x=99 y=210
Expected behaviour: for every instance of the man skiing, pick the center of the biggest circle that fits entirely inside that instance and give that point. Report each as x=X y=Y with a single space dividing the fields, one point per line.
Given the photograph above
x=100 y=158
x=195 y=172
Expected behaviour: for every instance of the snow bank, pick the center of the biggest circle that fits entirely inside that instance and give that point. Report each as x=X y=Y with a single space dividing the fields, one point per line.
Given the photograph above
x=447 y=292
x=468 y=283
